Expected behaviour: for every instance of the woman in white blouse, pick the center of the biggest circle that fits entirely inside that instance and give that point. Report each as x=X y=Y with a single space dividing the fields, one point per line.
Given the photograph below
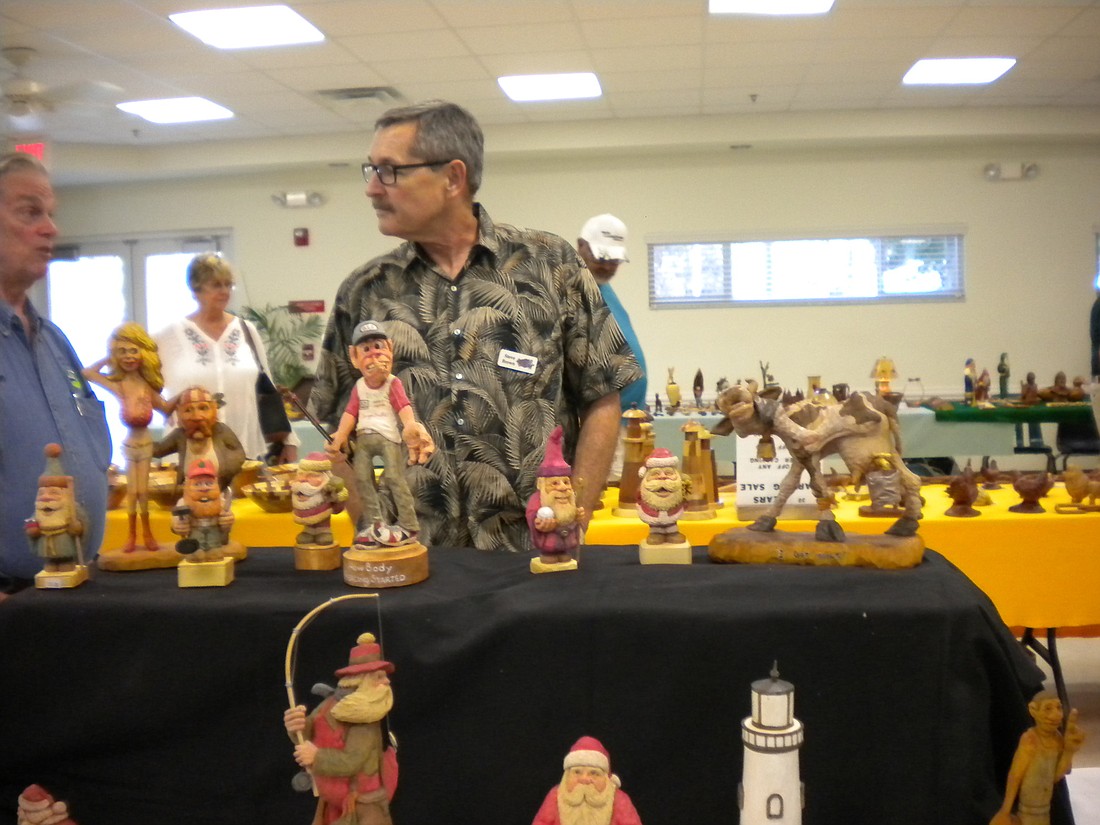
x=209 y=349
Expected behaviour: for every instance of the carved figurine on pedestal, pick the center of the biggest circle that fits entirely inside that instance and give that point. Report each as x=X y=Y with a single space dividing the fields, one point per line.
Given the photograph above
x=672 y=391
x=970 y=378
x=37 y=806
x=1080 y=485
x=1058 y=391
x=991 y=475
x=316 y=495
x=657 y=409
x=963 y=490
x=202 y=518
x=883 y=372
x=380 y=415
x=341 y=743
x=981 y=390
x=1029 y=391
x=697 y=389
x=661 y=505
x=859 y=430
x=588 y=793
x=1031 y=487
x=884 y=487
x=552 y=512
x=1043 y=758
x=638 y=441
x=56 y=530
x=1004 y=371
x=1078 y=392
x=135 y=379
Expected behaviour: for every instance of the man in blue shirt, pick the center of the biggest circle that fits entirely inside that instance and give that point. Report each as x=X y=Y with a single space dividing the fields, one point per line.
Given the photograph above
x=602 y=246
x=43 y=397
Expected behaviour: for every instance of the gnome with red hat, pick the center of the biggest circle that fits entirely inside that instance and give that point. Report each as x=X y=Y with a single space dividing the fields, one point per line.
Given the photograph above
x=661 y=497
x=589 y=793
x=343 y=748
x=202 y=515
x=316 y=495
x=56 y=529
x=552 y=512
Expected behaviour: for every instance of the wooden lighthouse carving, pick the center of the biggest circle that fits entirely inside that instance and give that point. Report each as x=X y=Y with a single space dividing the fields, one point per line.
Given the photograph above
x=771 y=791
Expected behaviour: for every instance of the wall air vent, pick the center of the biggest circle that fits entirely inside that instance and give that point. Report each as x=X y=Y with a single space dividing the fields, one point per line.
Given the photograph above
x=380 y=94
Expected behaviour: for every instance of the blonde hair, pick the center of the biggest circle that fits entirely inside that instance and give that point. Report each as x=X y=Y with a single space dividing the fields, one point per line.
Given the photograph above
x=206 y=267
x=150 y=357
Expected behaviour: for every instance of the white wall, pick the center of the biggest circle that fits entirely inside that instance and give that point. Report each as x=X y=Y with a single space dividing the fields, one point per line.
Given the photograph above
x=1030 y=247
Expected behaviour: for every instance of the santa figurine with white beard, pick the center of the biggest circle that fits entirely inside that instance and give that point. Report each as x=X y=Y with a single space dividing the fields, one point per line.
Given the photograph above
x=316 y=495
x=661 y=496
x=553 y=516
x=341 y=742
x=589 y=793
x=57 y=527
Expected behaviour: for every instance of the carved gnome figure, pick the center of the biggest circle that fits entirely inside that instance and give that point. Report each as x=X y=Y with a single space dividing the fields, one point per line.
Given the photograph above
x=552 y=512
x=202 y=516
x=589 y=794
x=57 y=526
x=316 y=496
x=38 y=807
x=661 y=497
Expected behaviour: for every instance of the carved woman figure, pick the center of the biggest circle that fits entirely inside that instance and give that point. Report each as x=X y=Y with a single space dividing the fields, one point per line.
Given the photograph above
x=134 y=377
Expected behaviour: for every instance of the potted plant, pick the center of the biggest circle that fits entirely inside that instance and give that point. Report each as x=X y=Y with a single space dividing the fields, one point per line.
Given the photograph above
x=285 y=333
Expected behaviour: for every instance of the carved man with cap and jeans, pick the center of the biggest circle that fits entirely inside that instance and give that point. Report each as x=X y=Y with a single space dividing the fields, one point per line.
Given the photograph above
x=380 y=414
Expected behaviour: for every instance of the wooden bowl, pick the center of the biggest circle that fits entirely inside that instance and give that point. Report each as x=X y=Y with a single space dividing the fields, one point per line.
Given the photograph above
x=162 y=488
x=272 y=497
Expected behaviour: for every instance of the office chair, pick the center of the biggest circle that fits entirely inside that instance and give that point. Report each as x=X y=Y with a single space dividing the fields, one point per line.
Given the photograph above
x=1076 y=438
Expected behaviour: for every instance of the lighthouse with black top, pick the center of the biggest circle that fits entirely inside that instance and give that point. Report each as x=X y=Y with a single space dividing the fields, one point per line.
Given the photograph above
x=771 y=791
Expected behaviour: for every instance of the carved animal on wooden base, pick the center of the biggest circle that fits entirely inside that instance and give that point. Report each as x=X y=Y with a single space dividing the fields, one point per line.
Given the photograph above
x=1081 y=485
x=857 y=431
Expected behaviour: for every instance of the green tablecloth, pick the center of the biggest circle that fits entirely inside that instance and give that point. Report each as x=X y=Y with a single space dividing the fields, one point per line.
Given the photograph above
x=1040 y=413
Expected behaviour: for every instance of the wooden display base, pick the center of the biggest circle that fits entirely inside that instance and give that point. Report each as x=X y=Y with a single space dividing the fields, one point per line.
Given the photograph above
x=317 y=557
x=1076 y=507
x=625 y=510
x=882 y=551
x=205 y=573
x=118 y=561
x=386 y=567
x=678 y=553
x=539 y=566
x=61 y=579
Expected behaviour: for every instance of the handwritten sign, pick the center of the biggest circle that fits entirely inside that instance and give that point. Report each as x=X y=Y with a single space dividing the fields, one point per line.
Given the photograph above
x=758 y=483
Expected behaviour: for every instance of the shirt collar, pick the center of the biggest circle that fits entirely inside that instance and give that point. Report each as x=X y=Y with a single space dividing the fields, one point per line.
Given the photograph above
x=486 y=239
x=10 y=322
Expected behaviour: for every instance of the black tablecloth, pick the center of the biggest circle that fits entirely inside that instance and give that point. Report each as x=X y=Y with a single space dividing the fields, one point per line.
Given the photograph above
x=140 y=702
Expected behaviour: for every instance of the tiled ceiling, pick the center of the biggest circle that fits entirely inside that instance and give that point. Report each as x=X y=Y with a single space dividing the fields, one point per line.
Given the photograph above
x=654 y=58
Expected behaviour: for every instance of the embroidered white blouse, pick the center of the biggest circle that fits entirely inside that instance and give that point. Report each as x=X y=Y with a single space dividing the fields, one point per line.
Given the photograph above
x=190 y=357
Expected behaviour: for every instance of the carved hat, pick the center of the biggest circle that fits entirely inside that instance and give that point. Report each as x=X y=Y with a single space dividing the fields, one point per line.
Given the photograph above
x=316 y=463
x=201 y=467
x=553 y=463
x=367 y=330
x=587 y=752
x=659 y=458
x=54 y=474
x=365 y=657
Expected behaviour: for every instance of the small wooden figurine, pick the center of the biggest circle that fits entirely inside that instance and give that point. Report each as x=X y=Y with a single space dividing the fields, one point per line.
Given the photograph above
x=970 y=379
x=588 y=791
x=1031 y=487
x=672 y=391
x=341 y=743
x=884 y=487
x=316 y=495
x=553 y=516
x=981 y=390
x=135 y=379
x=381 y=416
x=991 y=475
x=661 y=505
x=1029 y=391
x=963 y=490
x=771 y=788
x=697 y=389
x=56 y=530
x=203 y=518
x=1080 y=485
x=38 y=807
x=201 y=434
x=1059 y=391
x=387 y=551
x=1043 y=758
x=1004 y=371
x=883 y=372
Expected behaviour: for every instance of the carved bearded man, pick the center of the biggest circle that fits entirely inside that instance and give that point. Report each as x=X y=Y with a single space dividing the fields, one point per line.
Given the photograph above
x=201 y=435
x=355 y=774
x=552 y=512
x=316 y=495
x=202 y=516
x=589 y=793
x=56 y=528
x=661 y=497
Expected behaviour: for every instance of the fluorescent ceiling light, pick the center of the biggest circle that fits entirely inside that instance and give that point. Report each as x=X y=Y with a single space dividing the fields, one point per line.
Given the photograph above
x=770 y=6
x=524 y=88
x=176 y=110
x=248 y=28
x=957 y=71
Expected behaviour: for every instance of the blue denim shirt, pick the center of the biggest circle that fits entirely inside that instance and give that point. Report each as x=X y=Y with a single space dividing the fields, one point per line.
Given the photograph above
x=44 y=398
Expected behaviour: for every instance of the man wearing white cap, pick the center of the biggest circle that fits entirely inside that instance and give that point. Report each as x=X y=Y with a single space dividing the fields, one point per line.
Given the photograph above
x=602 y=247
x=589 y=793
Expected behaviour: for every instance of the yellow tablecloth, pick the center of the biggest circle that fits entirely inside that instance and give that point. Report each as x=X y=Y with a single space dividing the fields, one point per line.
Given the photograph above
x=1040 y=570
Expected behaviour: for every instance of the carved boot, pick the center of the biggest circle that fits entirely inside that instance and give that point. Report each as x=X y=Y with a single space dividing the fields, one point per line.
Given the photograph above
x=147 y=530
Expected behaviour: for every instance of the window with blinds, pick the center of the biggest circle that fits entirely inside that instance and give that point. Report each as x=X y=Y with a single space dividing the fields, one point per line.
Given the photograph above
x=805 y=270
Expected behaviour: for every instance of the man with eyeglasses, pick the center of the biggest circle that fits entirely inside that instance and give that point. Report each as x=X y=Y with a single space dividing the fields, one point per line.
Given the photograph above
x=44 y=397
x=499 y=334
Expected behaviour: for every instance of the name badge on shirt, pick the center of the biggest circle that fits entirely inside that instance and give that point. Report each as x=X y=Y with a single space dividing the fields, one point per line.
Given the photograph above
x=517 y=361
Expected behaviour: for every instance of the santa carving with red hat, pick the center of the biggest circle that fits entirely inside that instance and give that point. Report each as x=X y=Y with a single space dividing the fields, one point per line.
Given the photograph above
x=589 y=793
x=661 y=497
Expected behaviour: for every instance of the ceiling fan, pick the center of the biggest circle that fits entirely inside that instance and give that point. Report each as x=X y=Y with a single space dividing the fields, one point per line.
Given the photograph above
x=25 y=100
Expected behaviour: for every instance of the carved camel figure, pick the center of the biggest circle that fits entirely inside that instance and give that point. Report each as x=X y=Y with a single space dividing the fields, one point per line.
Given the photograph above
x=864 y=426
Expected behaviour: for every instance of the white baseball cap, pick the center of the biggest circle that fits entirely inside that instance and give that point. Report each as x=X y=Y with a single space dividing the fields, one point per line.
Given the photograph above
x=606 y=235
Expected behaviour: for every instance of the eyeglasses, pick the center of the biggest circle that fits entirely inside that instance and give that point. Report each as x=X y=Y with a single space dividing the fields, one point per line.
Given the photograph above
x=387 y=173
